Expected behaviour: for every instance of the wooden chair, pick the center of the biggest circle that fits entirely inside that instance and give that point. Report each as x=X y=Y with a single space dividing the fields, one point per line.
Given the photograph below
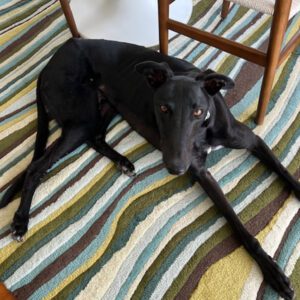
x=271 y=60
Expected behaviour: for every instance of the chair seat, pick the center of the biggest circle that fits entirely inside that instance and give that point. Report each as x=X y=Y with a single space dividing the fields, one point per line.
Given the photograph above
x=267 y=6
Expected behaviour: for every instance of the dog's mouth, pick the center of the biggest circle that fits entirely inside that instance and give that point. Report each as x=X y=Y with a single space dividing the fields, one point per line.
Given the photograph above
x=176 y=171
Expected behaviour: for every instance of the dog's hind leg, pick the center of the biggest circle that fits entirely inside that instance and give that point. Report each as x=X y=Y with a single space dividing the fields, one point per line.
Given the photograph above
x=271 y=271
x=71 y=138
x=40 y=145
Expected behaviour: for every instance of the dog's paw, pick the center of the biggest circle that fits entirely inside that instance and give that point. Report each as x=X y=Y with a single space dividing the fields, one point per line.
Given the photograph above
x=126 y=167
x=19 y=228
x=277 y=279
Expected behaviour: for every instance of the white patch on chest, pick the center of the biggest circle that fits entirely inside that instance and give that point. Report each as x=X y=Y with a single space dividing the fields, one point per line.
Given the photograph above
x=210 y=149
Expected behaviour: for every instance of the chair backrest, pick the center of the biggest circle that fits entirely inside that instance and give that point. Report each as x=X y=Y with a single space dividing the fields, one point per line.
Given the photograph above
x=267 y=6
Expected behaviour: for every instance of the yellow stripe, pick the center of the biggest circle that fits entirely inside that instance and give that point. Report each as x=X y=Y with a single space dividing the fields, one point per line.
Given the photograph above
x=226 y=278
x=22 y=93
x=109 y=237
x=9 y=35
x=10 y=248
x=18 y=119
x=241 y=42
x=253 y=106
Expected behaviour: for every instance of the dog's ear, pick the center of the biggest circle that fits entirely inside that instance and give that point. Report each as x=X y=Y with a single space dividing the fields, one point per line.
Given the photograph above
x=214 y=82
x=155 y=73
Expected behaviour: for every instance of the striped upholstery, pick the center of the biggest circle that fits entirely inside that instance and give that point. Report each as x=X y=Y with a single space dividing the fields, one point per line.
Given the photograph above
x=267 y=6
x=96 y=234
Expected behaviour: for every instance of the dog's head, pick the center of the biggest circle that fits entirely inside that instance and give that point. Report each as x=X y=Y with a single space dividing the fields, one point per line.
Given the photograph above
x=182 y=109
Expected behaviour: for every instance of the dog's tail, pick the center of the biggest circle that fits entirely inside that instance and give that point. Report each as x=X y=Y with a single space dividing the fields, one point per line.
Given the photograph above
x=40 y=145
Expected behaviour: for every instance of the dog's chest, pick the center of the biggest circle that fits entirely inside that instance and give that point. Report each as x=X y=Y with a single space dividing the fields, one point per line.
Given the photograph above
x=213 y=148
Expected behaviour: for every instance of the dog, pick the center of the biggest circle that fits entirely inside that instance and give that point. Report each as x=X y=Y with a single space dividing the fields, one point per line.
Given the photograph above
x=174 y=105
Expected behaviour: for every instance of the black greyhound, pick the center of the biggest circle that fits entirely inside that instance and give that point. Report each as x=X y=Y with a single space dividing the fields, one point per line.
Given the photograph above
x=174 y=105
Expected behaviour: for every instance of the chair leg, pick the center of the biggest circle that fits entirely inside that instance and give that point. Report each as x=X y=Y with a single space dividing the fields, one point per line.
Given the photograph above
x=279 y=24
x=163 y=16
x=225 y=9
x=69 y=17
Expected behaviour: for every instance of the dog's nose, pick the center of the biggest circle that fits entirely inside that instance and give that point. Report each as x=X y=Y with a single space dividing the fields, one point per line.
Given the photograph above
x=176 y=171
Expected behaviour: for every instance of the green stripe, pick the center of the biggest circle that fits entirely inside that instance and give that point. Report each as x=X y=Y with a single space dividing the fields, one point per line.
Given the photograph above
x=231 y=61
x=239 y=14
x=18 y=136
x=41 y=25
x=277 y=89
x=135 y=213
x=199 y=9
x=295 y=279
x=59 y=223
x=36 y=49
x=272 y=192
x=25 y=13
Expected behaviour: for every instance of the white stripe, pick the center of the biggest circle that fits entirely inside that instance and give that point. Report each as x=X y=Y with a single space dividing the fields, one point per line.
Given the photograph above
x=73 y=229
x=183 y=258
x=19 y=125
x=236 y=25
x=160 y=216
x=26 y=65
x=110 y=278
x=19 y=103
x=9 y=4
x=293 y=260
x=270 y=245
x=178 y=41
x=32 y=44
x=182 y=223
x=36 y=12
x=23 y=147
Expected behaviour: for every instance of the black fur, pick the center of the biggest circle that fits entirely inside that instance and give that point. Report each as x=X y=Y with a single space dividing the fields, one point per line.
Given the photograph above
x=174 y=105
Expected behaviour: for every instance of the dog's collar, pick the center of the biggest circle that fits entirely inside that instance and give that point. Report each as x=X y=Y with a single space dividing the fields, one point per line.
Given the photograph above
x=207 y=115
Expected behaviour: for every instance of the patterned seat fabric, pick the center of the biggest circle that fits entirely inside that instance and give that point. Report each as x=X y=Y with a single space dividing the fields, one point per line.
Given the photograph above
x=267 y=6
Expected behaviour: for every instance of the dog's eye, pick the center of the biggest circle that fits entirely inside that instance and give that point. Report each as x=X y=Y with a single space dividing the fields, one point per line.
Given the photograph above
x=197 y=113
x=164 y=108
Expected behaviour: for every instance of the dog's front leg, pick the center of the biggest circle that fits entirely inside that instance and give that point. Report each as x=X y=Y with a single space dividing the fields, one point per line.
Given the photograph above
x=122 y=162
x=264 y=153
x=243 y=138
x=271 y=271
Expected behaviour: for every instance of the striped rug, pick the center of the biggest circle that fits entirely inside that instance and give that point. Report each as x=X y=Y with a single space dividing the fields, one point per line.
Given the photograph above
x=97 y=234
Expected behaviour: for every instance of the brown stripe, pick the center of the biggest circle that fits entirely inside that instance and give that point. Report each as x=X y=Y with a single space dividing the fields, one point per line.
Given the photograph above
x=69 y=184
x=29 y=35
x=244 y=82
x=254 y=226
x=198 y=43
x=262 y=288
x=16 y=111
x=68 y=256
x=18 y=142
x=28 y=14
x=236 y=35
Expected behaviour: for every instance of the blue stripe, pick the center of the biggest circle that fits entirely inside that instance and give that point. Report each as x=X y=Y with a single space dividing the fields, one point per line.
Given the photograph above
x=33 y=49
x=154 y=244
x=20 y=113
x=15 y=6
x=99 y=239
x=285 y=254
